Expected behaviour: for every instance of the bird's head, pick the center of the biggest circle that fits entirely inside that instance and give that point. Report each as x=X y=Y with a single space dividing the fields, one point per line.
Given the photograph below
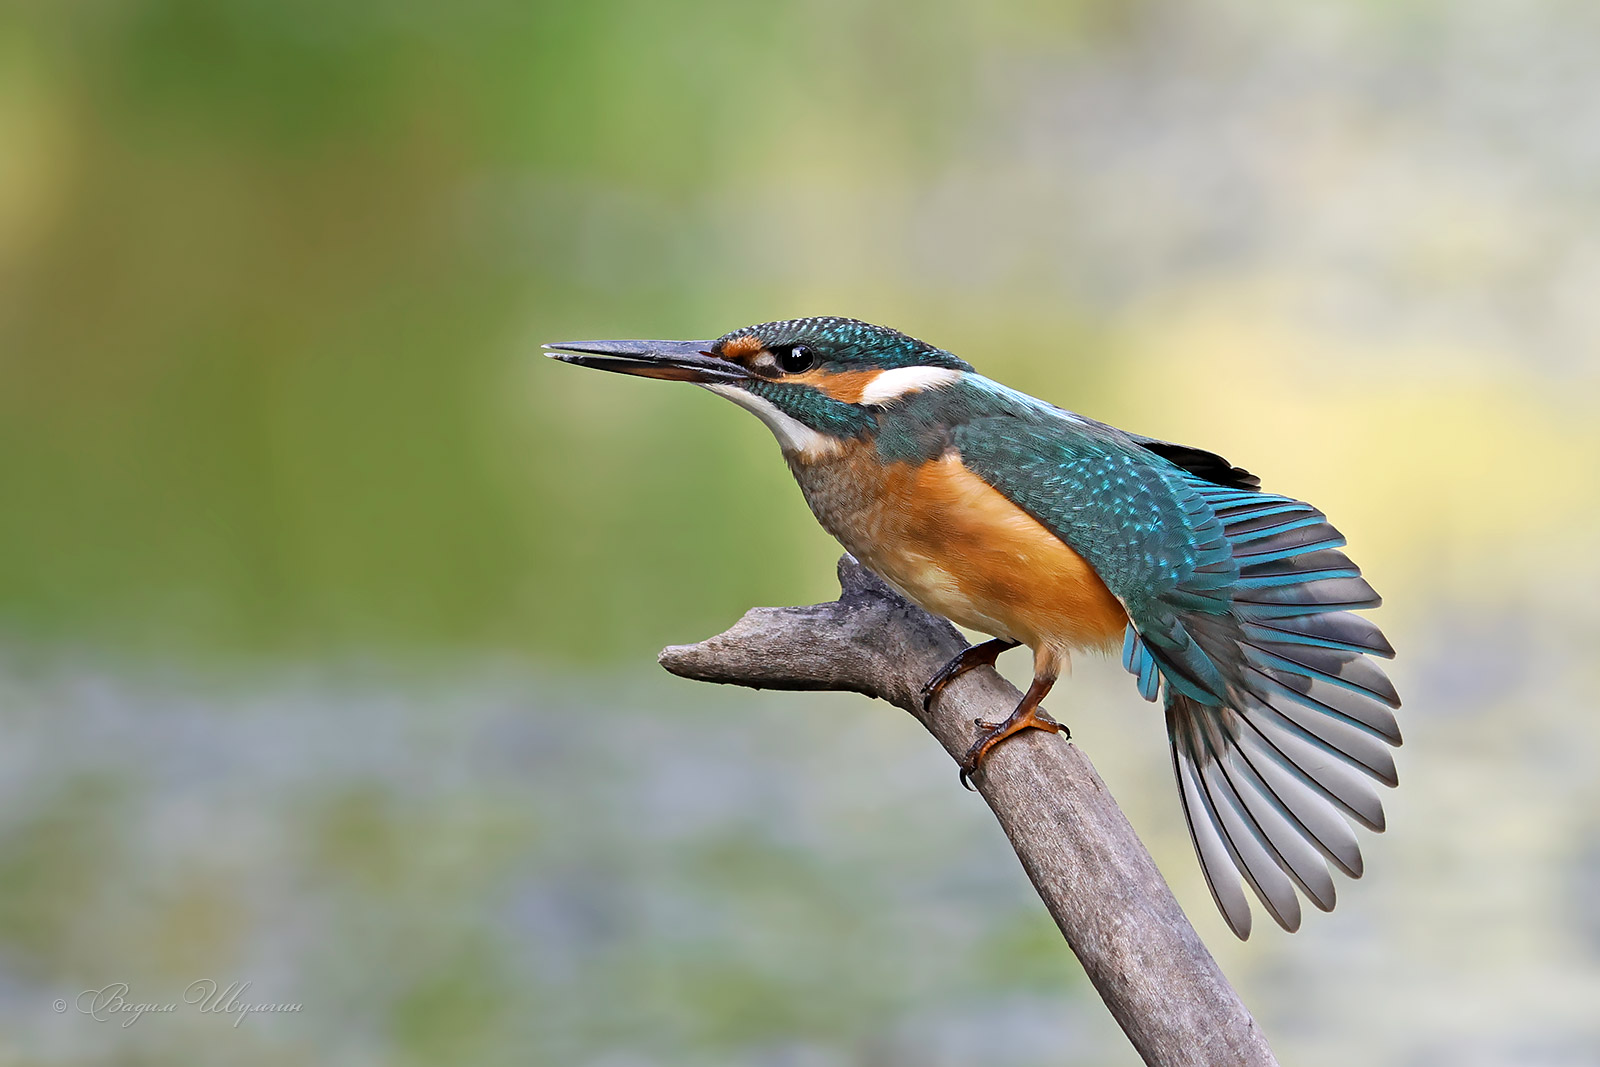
x=815 y=382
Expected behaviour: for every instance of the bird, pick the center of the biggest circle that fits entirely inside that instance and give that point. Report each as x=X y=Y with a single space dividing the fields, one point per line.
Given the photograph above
x=1016 y=518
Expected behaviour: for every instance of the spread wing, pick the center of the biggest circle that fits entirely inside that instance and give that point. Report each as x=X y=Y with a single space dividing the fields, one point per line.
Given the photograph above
x=1240 y=606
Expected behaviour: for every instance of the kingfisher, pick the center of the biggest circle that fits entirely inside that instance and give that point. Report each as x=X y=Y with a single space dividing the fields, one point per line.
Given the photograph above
x=1041 y=527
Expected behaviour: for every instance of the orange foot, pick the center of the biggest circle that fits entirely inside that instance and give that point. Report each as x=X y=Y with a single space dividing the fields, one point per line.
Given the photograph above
x=1027 y=716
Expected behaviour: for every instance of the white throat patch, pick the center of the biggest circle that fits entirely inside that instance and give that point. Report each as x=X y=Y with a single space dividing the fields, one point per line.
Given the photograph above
x=793 y=435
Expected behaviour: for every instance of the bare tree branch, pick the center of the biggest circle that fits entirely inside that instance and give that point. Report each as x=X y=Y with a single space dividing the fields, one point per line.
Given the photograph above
x=1089 y=867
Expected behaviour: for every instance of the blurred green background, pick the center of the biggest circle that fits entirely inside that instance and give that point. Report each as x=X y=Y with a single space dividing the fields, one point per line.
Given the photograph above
x=328 y=608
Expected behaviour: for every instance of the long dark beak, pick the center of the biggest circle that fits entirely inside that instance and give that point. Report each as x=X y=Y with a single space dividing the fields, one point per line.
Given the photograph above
x=677 y=361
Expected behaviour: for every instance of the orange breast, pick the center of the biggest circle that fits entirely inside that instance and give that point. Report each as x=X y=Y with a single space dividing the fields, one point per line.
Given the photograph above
x=959 y=548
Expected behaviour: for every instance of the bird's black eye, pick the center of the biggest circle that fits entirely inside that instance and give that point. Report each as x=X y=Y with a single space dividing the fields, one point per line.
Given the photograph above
x=796 y=359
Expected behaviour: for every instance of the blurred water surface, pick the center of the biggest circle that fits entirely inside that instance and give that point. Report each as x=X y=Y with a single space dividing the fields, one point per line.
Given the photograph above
x=328 y=607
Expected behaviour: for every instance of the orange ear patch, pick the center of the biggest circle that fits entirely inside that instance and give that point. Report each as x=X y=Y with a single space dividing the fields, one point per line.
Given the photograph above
x=846 y=385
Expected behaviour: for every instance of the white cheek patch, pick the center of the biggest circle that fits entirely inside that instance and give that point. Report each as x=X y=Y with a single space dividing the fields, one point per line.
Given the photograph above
x=891 y=385
x=793 y=435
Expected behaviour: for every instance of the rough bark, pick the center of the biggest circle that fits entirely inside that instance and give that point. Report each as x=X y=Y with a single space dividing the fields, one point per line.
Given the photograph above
x=1089 y=867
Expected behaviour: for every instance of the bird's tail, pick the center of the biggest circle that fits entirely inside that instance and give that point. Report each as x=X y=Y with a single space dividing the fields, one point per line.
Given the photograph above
x=1268 y=777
